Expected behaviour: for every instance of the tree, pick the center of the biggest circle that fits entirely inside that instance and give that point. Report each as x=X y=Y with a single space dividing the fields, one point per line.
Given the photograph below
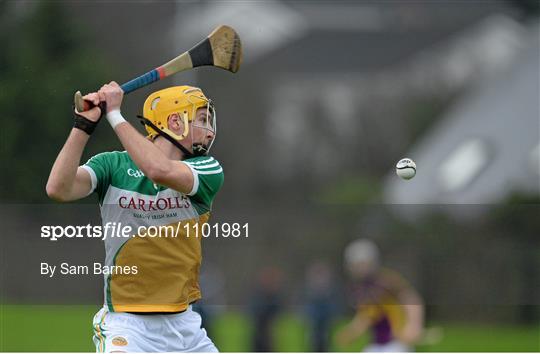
x=44 y=58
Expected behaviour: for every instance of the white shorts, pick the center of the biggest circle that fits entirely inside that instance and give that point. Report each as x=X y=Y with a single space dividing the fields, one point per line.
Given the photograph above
x=126 y=332
x=390 y=347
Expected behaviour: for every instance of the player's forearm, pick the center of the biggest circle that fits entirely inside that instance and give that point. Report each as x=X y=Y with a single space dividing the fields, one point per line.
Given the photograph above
x=414 y=325
x=348 y=335
x=152 y=161
x=62 y=177
x=353 y=330
x=144 y=153
x=414 y=313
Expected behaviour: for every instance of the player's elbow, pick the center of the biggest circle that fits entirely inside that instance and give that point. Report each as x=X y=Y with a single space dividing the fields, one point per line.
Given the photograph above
x=158 y=174
x=177 y=177
x=55 y=193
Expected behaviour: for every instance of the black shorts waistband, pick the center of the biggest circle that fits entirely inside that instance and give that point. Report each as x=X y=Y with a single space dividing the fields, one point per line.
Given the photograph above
x=155 y=313
x=161 y=313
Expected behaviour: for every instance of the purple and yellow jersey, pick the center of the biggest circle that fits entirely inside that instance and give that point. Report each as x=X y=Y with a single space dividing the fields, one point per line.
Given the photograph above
x=377 y=298
x=167 y=277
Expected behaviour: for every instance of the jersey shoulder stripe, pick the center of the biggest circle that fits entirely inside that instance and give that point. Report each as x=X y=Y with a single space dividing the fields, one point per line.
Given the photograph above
x=200 y=160
x=208 y=179
x=204 y=167
x=212 y=172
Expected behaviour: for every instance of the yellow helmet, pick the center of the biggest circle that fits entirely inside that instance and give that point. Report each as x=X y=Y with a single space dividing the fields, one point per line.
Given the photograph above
x=182 y=100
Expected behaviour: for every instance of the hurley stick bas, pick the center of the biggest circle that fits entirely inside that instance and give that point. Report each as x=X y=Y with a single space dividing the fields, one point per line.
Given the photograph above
x=222 y=48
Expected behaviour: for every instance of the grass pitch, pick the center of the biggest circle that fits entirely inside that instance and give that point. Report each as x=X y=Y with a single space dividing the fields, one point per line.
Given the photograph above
x=48 y=328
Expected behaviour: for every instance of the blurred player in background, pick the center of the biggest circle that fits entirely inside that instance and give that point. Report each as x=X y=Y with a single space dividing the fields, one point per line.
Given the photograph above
x=385 y=303
x=163 y=179
x=266 y=303
x=320 y=298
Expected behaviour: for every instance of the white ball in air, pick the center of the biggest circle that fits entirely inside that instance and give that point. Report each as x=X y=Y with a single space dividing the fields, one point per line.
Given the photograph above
x=406 y=168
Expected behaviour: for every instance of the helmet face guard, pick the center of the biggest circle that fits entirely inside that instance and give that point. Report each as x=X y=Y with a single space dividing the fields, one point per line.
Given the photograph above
x=185 y=101
x=208 y=124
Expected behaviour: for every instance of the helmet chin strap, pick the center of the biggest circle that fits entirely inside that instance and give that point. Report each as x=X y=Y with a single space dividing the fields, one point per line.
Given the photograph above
x=198 y=149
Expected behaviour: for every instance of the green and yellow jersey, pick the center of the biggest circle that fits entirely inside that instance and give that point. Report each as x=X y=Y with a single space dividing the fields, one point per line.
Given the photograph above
x=167 y=264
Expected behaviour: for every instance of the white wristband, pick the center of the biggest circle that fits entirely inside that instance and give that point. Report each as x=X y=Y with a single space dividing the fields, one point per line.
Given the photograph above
x=115 y=117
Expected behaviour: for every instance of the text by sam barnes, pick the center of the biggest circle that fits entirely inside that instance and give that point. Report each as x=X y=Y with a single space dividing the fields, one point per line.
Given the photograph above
x=65 y=268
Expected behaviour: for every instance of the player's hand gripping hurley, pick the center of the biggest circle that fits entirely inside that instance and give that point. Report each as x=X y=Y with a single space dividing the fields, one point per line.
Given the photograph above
x=222 y=48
